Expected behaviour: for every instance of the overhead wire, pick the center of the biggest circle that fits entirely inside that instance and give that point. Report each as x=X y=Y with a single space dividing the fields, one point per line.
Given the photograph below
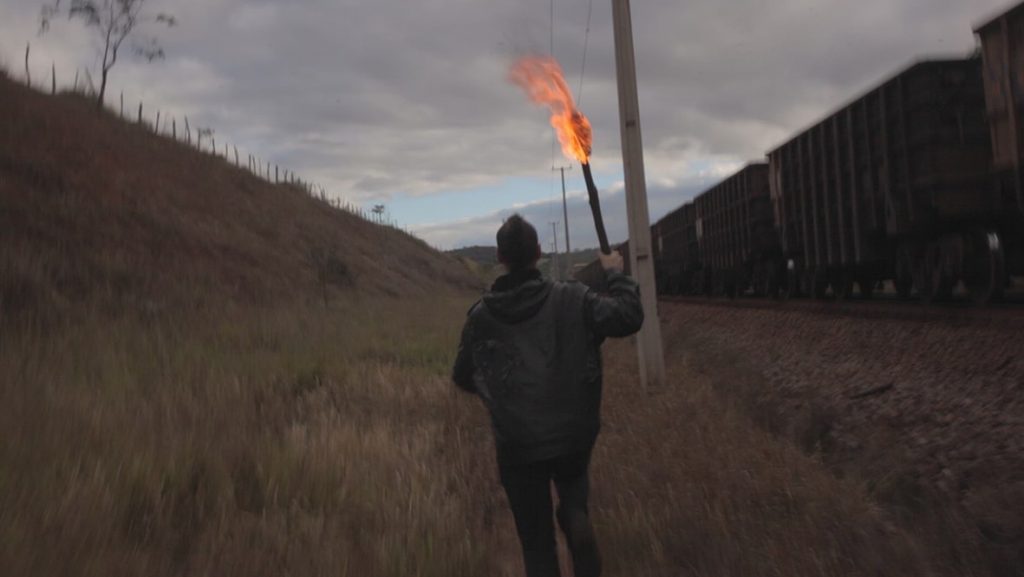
x=552 y=196
x=551 y=53
x=579 y=92
x=586 y=40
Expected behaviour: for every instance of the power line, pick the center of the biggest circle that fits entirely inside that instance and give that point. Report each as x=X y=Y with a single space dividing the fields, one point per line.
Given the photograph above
x=586 y=40
x=551 y=53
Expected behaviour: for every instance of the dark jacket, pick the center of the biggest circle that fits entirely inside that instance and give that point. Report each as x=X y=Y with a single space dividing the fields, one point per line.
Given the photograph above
x=531 y=350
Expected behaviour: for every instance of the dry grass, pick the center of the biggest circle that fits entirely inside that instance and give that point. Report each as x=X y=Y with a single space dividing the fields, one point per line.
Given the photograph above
x=294 y=441
x=286 y=442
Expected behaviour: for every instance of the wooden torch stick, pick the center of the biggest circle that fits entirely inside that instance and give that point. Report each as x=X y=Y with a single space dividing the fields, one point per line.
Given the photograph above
x=595 y=208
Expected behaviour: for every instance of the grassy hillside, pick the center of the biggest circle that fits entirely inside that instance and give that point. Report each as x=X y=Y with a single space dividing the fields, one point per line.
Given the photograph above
x=93 y=209
x=204 y=373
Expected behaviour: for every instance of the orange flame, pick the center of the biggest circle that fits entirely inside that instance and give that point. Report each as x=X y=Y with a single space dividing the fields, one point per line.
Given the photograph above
x=542 y=79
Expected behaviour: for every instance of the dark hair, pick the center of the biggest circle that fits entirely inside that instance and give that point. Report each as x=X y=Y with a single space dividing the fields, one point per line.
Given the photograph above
x=517 y=243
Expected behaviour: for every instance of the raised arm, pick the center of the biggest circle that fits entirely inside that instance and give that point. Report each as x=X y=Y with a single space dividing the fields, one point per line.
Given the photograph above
x=617 y=313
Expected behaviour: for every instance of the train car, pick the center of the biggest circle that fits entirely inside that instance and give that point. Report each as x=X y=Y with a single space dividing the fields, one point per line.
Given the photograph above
x=737 y=245
x=675 y=250
x=918 y=181
x=1002 y=53
x=893 y=186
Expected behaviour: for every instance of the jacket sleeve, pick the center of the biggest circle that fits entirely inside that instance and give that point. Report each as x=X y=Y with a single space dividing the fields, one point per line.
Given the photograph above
x=462 y=373
x=617 y=313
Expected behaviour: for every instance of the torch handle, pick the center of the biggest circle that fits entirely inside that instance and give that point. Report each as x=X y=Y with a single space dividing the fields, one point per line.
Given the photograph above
x=595 y=208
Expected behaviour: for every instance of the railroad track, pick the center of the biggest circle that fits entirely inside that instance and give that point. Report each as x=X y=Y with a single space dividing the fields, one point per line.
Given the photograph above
x=1008 y=315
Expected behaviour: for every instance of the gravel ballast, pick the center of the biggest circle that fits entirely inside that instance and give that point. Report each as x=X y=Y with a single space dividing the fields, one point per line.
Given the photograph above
x=929 y=412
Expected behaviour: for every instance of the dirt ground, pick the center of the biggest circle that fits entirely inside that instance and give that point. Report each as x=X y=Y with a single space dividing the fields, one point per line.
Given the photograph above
x=928 y=413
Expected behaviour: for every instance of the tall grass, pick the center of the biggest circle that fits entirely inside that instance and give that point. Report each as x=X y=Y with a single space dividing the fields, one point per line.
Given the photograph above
x=275 y=442
x=305 y=441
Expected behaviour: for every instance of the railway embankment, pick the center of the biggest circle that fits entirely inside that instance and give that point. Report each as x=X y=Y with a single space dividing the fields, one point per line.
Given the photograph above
x=926 y=411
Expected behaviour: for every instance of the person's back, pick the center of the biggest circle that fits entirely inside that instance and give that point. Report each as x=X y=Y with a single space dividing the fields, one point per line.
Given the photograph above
x=531 y=350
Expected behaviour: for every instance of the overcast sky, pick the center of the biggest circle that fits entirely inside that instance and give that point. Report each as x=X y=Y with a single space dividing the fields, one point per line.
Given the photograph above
x=405 y=103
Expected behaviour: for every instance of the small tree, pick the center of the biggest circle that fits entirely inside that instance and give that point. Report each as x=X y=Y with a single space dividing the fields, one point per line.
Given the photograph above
x=114 y=21
x=378 y=209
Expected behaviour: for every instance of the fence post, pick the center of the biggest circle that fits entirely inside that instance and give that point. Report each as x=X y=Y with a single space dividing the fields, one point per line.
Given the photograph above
x=156 y=128
x=53 y=72
x=213 y=145
x=140 y=112
x=275 y=175
x=28 y=73
x=75 y=87
x=188 y=132
x=174 y=128
x=122 y=104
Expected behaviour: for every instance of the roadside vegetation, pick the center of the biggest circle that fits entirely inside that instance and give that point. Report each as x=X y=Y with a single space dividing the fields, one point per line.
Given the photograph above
x=299 y=441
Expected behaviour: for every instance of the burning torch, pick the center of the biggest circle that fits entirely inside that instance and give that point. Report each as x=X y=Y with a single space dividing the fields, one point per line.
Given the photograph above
x=542 y=79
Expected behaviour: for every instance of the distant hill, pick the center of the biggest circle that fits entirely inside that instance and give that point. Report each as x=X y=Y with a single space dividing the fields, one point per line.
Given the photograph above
x=484 y=255
x=94 y=209
x=486 y=259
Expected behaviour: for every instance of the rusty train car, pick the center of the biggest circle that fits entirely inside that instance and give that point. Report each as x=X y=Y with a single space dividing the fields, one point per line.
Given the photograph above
x=893 y=186
x=1002 y=55
x=676 y=251
x=917 y=182
x=735 y=234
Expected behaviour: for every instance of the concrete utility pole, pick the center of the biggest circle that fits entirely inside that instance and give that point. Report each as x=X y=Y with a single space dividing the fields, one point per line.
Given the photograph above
x=565 y=219
x=554 y=251
x=649 y=347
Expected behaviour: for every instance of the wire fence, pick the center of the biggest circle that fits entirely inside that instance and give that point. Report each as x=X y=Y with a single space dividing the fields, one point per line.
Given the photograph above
x=186 y=131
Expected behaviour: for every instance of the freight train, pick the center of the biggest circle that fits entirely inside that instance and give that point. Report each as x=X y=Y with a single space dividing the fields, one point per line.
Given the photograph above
x=917 y=182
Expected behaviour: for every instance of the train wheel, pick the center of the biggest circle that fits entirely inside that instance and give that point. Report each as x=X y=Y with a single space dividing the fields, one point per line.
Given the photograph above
x=842 y=286
x=867 y=287
x=699 y=284
x=986 y=270
x=817 y=284
x=760 y=281
x=791 y=289
x=903 y=280
x=934 y=283
x=771 y=282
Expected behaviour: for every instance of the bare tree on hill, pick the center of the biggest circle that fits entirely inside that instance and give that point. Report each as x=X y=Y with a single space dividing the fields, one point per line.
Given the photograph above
x=114 y=21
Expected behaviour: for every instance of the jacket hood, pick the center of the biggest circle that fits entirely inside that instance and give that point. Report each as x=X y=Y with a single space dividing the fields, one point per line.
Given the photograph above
x=517 y=296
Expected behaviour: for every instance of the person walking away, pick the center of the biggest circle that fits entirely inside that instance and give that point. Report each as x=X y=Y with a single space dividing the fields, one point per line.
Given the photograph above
x=530 y=349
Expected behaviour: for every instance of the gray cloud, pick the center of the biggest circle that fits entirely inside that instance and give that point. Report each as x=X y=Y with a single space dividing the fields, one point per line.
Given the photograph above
x=389 y=98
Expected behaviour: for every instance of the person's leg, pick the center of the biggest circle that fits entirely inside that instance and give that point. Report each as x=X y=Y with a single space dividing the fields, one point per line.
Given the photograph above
x=571 y=475
x=529 y=495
